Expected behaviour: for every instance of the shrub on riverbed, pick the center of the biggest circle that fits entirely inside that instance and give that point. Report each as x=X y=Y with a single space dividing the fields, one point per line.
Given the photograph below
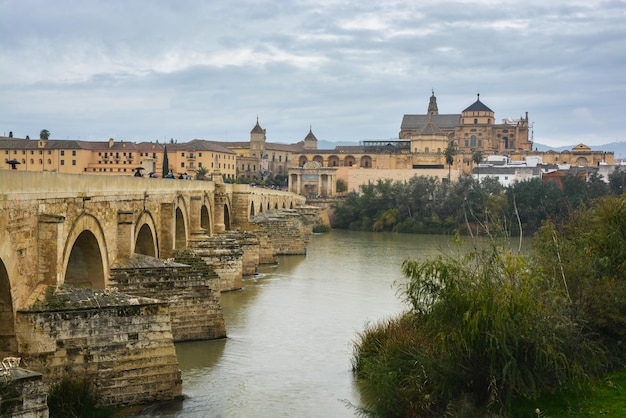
x=481 y=331
x=75 y=399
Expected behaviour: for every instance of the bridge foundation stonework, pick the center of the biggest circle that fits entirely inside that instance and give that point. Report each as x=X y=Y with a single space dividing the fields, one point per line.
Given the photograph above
x=123 y=343
x=82 y=289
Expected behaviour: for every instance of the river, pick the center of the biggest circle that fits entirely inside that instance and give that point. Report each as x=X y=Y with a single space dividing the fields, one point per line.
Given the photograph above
x=292 y=327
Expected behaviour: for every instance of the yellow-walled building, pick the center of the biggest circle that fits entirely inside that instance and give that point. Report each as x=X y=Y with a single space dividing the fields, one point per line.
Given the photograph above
x=117 y=157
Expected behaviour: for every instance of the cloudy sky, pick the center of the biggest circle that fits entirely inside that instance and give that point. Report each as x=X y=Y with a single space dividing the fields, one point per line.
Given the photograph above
x=153 y=70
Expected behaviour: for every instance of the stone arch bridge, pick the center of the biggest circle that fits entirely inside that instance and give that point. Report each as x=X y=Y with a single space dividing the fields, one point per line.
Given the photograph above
x=58 y=229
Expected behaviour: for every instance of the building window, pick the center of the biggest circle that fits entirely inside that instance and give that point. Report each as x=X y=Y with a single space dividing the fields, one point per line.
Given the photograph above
x=62 y=152
x=182 y=154
x=473 y=141
x=73 y=162
x=32 y=161
x=49 y=161
x=480 y=142
x=182 y=165
x=200 y=164
x=475 y=121
x=200 y=155
x=426 y=150
x=466 y=143
x=73 y=153
x=62 y=162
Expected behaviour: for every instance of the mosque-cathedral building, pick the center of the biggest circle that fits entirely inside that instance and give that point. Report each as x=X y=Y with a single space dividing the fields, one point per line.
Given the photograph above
x=419 y=150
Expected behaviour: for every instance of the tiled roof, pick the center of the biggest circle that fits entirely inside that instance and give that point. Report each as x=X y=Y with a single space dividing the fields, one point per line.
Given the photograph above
x=417 y=122
x=310 y=136
x=431 y=128
x=257 y=128
x=349 y=149
x=478 y=106
x=284 y=147
x=201 y=145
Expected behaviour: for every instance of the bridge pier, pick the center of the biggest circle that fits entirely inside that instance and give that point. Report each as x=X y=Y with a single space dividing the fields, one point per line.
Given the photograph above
x=167 y=230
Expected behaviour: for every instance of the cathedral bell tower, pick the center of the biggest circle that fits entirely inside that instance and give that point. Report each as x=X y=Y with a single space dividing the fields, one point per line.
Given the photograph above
x=257 y=140
x=432 y=105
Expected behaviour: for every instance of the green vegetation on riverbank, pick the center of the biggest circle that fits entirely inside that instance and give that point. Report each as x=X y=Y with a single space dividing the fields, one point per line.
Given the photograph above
x=425 y=205
x=490 y=330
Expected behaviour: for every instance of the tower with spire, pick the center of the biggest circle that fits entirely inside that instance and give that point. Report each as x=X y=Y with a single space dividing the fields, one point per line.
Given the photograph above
x=432 y=105
x=257 y=140
x=310 y=141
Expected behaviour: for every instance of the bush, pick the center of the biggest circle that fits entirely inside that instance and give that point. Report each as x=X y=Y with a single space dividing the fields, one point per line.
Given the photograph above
x=75 y=399
x=484 y=330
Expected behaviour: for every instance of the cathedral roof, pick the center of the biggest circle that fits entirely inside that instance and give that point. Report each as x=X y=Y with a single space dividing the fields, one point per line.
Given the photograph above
x=430 y=128
x=478 y=106
x=414 y=122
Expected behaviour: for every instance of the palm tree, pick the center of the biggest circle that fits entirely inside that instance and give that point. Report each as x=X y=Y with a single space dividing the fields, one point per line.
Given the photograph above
x=44 y=134
x=449 y=153
x=201 y=173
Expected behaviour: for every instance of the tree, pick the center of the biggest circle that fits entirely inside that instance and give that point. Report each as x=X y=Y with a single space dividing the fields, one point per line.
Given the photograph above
x=586 y=255
x=449 y=153
x=617 y=181
x=201 y=173
x=44 y=134
x=477 y=157
x=166 y=163
x=341 y=186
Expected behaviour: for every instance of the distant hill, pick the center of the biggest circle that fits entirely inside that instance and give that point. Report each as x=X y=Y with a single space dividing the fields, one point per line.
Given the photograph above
x=618 y=148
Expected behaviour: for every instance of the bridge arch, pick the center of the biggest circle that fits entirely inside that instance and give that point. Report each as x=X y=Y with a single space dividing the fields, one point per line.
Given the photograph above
x=226 y=217
x=181 y=224
x=205 y=219
x=146 y=241
x=8 y=342
x=252 y=209
x=85 y=257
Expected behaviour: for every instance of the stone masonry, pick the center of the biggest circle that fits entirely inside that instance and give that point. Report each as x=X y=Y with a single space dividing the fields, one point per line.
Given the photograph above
x=123 y=343
x=194 y=306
